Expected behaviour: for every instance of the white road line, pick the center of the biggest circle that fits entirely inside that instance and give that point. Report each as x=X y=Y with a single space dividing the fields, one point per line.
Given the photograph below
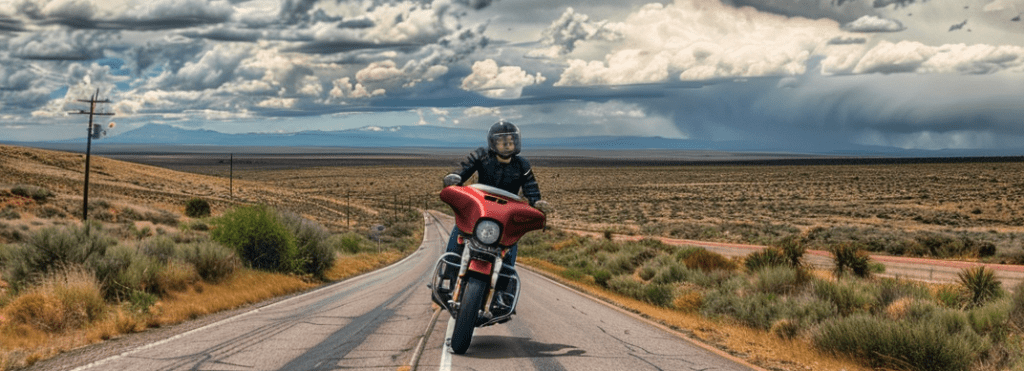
x=446 y=356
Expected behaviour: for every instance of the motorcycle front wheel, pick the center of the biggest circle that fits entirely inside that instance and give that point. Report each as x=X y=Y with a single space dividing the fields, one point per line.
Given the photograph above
x=469 y=307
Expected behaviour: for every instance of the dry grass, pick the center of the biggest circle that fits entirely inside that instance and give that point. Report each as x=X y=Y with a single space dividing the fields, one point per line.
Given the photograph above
x=350 y=265
x=758 y=347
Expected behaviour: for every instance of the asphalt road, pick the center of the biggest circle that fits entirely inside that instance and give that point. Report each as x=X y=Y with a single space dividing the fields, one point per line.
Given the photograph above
x=378 y=321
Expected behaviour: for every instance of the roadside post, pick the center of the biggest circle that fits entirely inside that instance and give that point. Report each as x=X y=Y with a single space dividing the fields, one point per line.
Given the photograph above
x=376 y=233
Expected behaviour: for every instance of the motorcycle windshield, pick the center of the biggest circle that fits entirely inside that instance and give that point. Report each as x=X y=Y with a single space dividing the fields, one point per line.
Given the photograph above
x=470 y=205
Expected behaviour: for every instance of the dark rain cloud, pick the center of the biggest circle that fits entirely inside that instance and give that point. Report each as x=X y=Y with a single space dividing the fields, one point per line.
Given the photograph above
x=843 y=40
x=958 y=26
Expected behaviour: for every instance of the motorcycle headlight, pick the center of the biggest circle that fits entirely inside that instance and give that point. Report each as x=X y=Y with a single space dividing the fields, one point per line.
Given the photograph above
x=487 y=232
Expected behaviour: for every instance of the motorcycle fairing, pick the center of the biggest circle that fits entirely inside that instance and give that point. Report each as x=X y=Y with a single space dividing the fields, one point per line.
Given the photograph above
x=471 y=205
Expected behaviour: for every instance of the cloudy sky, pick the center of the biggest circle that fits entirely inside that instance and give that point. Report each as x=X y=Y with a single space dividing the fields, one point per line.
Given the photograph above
x=921 y=74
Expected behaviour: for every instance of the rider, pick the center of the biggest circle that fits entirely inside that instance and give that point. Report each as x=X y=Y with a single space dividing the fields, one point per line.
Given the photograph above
x=499 y=165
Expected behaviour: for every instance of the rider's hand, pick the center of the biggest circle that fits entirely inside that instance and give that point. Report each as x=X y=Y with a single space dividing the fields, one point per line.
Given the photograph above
x=452 y=179
x=543 y=206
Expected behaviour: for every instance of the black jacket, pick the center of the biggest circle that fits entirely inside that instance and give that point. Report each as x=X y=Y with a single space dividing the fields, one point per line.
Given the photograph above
x=510 y=177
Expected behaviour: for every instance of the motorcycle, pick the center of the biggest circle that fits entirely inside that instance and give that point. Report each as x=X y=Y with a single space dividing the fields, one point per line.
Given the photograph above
x=474 y=286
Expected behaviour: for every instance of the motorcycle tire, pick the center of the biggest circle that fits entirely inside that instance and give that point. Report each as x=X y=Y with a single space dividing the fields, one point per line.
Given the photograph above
x=471 y=302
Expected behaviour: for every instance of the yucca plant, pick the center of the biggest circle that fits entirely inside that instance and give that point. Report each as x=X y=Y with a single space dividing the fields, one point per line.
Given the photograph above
x=848 y=256
x=981 y=284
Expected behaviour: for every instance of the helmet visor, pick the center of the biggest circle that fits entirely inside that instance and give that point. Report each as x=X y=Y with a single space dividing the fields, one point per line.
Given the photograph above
x=505 y=144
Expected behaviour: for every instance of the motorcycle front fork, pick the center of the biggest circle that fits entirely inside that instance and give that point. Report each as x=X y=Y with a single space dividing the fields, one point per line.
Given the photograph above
x=495 y=270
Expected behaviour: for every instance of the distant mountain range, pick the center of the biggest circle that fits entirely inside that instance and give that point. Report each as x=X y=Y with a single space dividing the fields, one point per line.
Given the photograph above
x=445 y=137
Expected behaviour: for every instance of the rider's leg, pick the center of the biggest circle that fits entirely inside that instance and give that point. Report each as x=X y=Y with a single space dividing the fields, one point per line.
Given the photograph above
x=453 y=246
x=453 y=241
x=510 y=257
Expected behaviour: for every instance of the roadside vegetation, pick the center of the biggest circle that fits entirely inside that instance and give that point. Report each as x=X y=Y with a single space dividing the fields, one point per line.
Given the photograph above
x=878 y=322
x=69 y=285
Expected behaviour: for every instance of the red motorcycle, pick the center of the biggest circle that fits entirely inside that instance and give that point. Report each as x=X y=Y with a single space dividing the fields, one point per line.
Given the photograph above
x=483 y=292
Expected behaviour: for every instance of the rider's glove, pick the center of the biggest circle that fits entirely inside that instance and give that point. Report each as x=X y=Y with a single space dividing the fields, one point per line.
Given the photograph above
x=452 y=179
x=543 y=206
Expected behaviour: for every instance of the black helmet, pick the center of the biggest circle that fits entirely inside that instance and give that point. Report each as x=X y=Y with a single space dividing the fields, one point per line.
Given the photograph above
x=503 y=129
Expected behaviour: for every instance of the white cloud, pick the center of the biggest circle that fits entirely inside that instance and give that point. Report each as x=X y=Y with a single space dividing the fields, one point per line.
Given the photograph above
x=870 y=23
x=60 y=44
x=276 y=102
x=1003 y=5
x=910 y=56
x=477 y=111
x=408 y=22
x=214 y=68
x=698 y=39
x=571 y=28
x=215 y=10
x=378 y=72
x=505 y=82
x=344 y=89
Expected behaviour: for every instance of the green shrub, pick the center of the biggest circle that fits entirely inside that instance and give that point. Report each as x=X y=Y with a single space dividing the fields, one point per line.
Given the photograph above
x=981 y=284
x=914 y=345
x=625 y=284
x=685 y=252
x=618 y=263
x=671 y=273
x=647 y=272
x=848 y=296
x=140 y=301
x=708 y=261
x=161 y=248
x=350 y=243
x=573 y=274
x=212 y=261
x=991 y=319
x=776 y=280
x=764 y=258
x=1016 y=313
x=49 y=212
x=659 y=294
x=757 y=310
x=50 y=248
x=315 y=255
x=809 y=310
x=951 y=296
x=851 y=257
x=258 y=236
x=36 y=193
x=793 y=250
x=197 y=208
x=123 y=270
x=601 y=276
x=891 y=289
x=10 y=213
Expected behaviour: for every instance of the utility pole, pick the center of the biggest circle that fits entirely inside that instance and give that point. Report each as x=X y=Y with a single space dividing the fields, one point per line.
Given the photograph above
x=94 y=131
x=231 y=177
